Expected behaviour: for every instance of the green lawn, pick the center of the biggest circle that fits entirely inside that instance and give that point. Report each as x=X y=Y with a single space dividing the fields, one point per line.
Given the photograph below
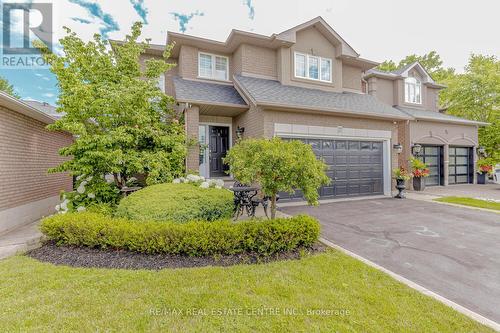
x=38 y=296
x=471 y=202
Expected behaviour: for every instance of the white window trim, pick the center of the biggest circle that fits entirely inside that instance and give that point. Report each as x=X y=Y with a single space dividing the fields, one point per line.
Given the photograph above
x=307 y=56
x=407 y=97
x=213 y=66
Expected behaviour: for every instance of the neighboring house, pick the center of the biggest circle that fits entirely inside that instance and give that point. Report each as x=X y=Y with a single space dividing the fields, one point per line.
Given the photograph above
x=27 y=151
x=447 y=143
x=44 y=107
x=308 y=83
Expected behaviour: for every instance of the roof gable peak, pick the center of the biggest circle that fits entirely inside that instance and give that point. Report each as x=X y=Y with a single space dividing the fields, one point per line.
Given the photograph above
x=319 y=23
x=404 y=72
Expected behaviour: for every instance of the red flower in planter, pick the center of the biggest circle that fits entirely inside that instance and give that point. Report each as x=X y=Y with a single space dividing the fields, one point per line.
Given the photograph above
x=486 y=168
x=420 y=173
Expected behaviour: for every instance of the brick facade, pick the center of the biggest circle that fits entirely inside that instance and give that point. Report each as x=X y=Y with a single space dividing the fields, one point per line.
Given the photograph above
x=27 y=150
x=192 y=120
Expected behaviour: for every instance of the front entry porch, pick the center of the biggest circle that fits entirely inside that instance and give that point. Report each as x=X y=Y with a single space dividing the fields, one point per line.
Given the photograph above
x=215 y=141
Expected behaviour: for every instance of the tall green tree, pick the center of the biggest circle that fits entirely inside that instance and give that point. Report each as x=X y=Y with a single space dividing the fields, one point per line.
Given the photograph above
x=5 y=86
x=431 y=62
x=475 y=95
x=122 y=123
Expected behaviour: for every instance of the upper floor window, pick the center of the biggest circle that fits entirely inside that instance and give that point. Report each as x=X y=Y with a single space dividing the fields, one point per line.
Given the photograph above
x=313 y=67
x=413 y=90
x=212 y=66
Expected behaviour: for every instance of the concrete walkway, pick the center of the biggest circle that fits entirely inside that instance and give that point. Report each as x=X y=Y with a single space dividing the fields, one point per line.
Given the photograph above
x=22 y=239
x=487 y=191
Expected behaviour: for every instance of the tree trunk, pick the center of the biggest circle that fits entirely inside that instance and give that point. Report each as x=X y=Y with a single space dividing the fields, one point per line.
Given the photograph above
x=273 y=206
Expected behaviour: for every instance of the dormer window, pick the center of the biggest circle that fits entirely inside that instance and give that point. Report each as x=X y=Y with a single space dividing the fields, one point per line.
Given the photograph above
x=211 y=66
x=313 y=67
x=413 y=90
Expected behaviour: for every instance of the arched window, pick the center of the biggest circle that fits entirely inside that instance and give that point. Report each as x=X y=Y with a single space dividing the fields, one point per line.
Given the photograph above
x=413 y=90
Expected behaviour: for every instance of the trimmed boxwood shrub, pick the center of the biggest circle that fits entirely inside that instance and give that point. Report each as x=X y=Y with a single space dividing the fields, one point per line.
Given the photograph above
x=192 y=238
x=177 y=202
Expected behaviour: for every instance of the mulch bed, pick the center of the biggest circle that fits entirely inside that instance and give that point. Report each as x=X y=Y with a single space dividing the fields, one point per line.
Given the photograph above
x=88 y=257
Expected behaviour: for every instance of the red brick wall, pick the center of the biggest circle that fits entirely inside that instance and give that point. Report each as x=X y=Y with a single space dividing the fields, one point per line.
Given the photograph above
x=27 y=150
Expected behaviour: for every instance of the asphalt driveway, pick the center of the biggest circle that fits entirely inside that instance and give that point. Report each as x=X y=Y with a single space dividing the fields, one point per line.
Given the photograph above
x=452 y=251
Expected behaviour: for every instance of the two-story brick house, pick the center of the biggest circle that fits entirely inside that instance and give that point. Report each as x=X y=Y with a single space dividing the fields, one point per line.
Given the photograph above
x=308 y=83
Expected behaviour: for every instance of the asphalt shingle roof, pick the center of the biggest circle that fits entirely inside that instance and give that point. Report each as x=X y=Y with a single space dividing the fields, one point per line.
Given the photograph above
x=43 y=107
x=437 y=116
x=210 y=93
x=271 y=92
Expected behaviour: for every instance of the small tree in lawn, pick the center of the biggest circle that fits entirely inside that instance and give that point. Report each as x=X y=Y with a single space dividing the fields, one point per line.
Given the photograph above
x=123 y=124
x=278 y=165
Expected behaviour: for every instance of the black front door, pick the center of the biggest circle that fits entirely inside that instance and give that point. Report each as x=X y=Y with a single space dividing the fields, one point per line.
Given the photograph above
x=219 y=145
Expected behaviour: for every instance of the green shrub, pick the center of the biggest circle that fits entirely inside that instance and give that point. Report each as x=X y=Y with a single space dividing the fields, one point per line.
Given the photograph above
x=177 y=202
x=278 y=166
x=192 y=238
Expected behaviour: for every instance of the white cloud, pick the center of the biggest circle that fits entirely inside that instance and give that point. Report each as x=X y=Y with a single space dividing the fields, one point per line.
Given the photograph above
x=49 y=95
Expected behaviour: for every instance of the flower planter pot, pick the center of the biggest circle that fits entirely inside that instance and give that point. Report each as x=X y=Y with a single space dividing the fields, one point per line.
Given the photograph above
x=400 y=185
x=418 y=183
x=481 y=178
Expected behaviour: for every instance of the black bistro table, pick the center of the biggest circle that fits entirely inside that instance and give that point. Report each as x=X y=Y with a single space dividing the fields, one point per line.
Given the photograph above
x=245 y=200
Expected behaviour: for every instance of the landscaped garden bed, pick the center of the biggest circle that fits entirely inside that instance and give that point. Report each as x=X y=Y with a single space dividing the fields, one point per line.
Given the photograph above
x=92 y=257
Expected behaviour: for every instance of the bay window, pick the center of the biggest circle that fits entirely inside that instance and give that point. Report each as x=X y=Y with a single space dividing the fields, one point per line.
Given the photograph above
x=413 y=90
x=313 y=67
x=211 y=66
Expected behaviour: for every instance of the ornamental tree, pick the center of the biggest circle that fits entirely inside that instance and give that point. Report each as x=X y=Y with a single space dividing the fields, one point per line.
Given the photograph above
x=122 y=123
x=278 y=165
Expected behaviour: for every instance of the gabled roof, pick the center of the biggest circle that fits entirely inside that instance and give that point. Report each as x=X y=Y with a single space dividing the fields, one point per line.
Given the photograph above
x=320 y=24
x=271 y=93
x=191 y=91
x=403 y=73
x=286 y=38
x=438 y=116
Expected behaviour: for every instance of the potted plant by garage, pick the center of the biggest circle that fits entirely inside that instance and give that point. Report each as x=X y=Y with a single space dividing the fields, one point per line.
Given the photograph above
x=484 y=168
x=401 y=176
x=419 y=171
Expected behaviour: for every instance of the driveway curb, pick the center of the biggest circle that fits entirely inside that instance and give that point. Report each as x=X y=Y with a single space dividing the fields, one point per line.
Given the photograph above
x=469 y=313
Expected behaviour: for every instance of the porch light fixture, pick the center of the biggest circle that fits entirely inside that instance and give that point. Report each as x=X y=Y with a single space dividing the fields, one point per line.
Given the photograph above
x=416 y=149
x=398 y=148
x=239 y=132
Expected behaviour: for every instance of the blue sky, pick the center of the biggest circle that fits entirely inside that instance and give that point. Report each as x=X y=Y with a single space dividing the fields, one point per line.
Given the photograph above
x=408 y=28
